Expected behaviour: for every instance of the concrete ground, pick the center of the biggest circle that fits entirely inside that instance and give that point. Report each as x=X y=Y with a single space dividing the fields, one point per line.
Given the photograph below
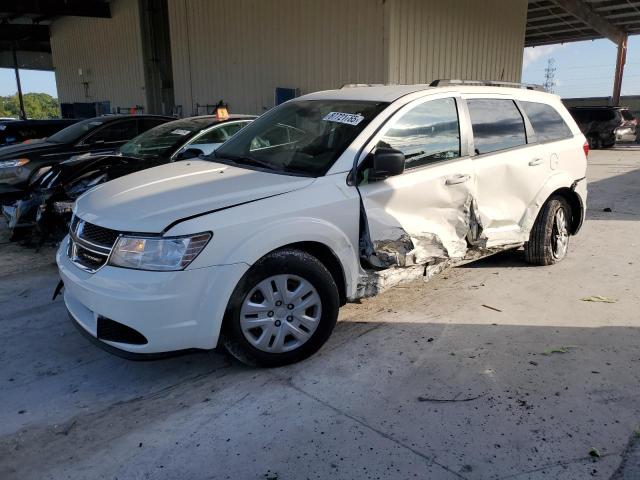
x=496 y=370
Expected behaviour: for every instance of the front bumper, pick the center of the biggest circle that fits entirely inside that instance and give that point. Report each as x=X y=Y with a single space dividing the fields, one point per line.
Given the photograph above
x=626 y=134
x=172 y=310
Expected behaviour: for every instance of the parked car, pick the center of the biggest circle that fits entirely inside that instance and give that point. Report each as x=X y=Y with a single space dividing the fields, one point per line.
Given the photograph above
x=23 y=164
x=47 y=202
x=22 y=131
x=605 y=125
x=327 y=198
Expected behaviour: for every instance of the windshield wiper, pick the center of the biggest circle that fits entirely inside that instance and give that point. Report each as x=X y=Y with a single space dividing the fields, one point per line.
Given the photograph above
x=248 y=161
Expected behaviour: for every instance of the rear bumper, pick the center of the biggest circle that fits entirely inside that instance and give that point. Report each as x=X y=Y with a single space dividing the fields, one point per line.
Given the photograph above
x=580 y=188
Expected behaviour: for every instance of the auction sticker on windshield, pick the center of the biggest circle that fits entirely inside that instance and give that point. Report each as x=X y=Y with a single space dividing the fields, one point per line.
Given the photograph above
x=347 y=118
x=179 y=131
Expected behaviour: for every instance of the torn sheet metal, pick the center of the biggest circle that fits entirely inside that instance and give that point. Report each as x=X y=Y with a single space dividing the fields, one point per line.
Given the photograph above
x=418 y=227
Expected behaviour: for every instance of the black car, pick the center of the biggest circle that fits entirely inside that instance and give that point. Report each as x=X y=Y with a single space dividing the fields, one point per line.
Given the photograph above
x=47 y=203
x=22 y=164
x=21 y=131
x=604 y=125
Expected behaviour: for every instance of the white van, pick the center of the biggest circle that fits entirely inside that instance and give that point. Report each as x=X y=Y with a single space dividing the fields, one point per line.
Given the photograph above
x=325 y=199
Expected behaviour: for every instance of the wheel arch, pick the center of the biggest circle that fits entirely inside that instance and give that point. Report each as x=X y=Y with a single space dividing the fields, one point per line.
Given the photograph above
x=576 y=204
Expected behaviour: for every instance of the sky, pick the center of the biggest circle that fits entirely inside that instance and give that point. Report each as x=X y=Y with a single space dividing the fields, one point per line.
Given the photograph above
x=583 y=69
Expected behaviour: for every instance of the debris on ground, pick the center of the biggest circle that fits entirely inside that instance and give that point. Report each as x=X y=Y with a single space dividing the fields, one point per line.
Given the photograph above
x=491 y=308
x=606 y=209
x=551 y=351
x=598 y=298
x=447 y=400
x=593 y=452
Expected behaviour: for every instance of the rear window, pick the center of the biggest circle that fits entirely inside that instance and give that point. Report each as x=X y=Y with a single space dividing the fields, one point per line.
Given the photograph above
x=546 y=121
x=497 y=125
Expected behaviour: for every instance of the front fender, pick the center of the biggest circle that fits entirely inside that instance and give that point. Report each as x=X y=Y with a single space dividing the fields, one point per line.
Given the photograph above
x=294 y=230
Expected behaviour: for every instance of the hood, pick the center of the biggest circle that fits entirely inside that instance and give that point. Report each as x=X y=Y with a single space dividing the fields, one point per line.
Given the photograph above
x=150 y=200
x=24 y=149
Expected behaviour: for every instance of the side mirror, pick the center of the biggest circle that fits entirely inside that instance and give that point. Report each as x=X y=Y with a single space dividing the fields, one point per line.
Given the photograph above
x=189 y=153
x=387 y=162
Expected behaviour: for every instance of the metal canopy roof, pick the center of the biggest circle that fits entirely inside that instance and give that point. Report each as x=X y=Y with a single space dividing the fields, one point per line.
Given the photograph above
x=560 y=21
x=24 y=25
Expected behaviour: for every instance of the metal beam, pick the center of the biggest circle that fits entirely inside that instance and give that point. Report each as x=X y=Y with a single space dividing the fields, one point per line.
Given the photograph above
x=620 y=61
x=582 y=11
x=53 y=8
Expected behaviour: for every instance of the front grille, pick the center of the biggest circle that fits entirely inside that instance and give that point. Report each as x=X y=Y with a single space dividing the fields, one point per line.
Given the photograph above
x=113 y=331
x=104 y=237
x=90 y=245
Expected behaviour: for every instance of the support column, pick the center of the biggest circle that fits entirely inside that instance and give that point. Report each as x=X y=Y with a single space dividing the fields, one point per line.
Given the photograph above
x=23 y=115
x=620 y=61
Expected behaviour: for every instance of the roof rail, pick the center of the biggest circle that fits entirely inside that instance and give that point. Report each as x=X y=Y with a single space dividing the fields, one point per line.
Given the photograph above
x=487 y=83
x=356 y=85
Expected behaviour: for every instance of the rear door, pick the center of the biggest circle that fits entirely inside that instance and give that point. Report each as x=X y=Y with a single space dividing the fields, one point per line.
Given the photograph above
x=510 y=172
x=422 y=215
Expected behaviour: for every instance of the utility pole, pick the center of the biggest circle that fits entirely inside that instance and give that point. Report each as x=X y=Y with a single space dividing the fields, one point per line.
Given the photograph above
x=549 y=76
x=23 y=115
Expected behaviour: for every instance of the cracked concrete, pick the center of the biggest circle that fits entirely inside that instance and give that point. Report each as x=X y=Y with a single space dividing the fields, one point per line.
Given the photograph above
x=354 y=410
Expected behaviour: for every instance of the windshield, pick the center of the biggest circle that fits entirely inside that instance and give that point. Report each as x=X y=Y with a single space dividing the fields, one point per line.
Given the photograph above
x=165 y=138
x=304 y=137
x=76 y=131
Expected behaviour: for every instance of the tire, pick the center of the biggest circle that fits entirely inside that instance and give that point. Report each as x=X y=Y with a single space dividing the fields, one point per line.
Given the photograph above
x=594 y=142
x=549 y=239
x=286 y=324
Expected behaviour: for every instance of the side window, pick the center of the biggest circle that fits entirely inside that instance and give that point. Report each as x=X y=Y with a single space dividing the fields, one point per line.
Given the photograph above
x=428 y=133
x=497 y=125
x=546 y=121
x=115 y=132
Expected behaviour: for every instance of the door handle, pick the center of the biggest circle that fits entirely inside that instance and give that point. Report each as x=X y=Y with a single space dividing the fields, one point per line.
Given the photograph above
x=456 y=179
x=535 y=161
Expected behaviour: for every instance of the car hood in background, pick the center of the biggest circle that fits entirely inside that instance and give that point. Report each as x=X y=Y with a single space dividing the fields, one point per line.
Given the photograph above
x=150 y=200
x=80 y=166
x=24 y=149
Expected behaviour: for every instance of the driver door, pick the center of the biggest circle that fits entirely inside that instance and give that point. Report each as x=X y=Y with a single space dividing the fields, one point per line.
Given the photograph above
x=424 y=214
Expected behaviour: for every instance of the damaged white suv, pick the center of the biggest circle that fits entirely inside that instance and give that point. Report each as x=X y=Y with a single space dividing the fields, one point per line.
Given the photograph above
x=327 y=198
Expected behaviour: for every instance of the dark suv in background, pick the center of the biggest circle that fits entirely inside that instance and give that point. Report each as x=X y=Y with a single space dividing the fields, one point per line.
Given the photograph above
x=604 y=126
x=20 y=131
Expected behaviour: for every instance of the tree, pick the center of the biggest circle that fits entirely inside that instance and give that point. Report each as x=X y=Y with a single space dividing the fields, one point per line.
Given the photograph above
x=36 y=105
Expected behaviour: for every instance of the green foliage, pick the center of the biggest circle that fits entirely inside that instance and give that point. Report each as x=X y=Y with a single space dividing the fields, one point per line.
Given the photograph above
x=36 y=105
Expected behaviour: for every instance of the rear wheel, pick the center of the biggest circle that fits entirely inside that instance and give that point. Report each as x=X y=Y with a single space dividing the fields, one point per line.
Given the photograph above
x=549 y=238
x=282 y=311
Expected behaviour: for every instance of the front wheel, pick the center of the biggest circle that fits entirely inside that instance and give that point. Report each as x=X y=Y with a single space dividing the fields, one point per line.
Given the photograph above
x=549 y=238
x=282 y=311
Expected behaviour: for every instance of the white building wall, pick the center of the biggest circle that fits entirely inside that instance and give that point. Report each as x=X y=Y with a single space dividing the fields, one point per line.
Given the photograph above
x=463 y=39
x=240 y=50
x=109 y=52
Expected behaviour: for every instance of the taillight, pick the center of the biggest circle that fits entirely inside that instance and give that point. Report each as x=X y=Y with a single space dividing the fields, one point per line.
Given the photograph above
x=585 y=147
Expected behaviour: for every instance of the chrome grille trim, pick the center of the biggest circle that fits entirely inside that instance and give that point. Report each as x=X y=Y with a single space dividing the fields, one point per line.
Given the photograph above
x=82 y=251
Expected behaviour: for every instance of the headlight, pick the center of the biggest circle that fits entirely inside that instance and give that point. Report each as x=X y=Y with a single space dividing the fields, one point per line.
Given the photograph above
x=18 y=162
x=160 y=254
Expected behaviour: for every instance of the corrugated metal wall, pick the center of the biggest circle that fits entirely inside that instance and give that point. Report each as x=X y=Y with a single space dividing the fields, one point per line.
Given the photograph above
x=109 y=51
x=240 y=50
x=465 y=39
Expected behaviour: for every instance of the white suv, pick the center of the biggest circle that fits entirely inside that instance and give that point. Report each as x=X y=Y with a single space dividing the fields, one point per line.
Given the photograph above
x=325 y=199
